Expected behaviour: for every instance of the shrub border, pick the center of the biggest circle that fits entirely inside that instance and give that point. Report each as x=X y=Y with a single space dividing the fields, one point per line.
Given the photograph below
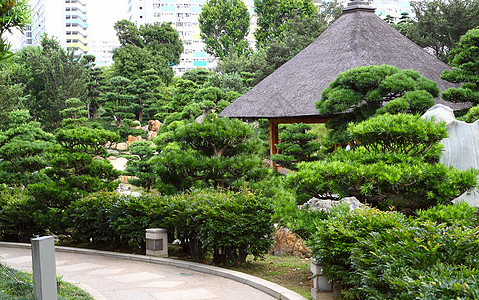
x=265 y=286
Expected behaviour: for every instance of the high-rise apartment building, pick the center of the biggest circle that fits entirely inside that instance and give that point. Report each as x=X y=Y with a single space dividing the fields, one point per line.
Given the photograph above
x=393 y=8
x=66 y=20
x=183 y=16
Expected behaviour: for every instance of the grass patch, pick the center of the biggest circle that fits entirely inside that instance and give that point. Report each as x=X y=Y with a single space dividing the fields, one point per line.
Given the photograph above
x=288 y=271
x=18 y=285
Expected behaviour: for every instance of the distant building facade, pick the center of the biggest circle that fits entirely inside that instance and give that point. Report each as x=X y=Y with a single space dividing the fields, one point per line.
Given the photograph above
x=66 y=20
x=183 y=16
x=393 y=8
x=102 y=49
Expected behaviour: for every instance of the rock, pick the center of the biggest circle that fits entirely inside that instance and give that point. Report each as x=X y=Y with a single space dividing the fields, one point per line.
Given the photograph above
x=132 y=139
x=288 y=243
x=151 y=134
x=119 y=163
x=98 y=157
x=111 y=157
x=109 y=145
x=202 y=117
x=113 y=152
x=460 y=147
x=154 y=125
x=327 y=204
x=121 y=146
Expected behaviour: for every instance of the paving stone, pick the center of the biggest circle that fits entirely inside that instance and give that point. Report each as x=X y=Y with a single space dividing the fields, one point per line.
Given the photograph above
x=79 y=267
x=136 y=277
x=193 y=294
x=106 y=271
x=163 y=284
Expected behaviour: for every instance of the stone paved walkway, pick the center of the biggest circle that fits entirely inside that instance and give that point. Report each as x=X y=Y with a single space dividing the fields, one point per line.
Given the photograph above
x=114 y=278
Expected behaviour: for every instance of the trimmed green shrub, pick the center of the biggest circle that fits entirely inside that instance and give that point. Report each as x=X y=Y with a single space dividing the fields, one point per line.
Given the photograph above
x=384 y=255
x=226 y=224
x=396 y=165
x=337 y=235
x=19 y=212
x=121 y=220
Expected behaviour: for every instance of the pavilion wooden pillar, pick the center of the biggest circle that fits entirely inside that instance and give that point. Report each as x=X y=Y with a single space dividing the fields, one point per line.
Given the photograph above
x=273 y=139
x=273 y=130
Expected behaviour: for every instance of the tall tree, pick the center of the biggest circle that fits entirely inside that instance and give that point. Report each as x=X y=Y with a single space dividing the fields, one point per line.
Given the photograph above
x=440 y=23
x=162 y=40
x=13 y=14
x=22 y=149
x=95 y=81
x=224 y=26
x=151 y=46
x=51 y=75
x=119 y=101
x=274 y=16
x=11 y=94
x=464 y=59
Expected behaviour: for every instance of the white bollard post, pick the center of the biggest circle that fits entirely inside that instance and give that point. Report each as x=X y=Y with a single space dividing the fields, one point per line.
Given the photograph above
x=44 y=268
x=157 y=242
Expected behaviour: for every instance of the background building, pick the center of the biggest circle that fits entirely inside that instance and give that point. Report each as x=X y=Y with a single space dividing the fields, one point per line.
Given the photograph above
x=66 y=20
x=393 y=8
x=183 y=16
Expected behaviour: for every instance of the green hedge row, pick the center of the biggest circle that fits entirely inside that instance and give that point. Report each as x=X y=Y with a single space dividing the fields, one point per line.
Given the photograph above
x=386 y=255
x=225 y=226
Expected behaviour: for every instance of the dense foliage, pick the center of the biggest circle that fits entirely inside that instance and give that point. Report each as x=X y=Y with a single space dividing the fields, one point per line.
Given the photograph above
x=297 y=144
x=213 y=153
x=274 y=16
x=151 y=46
x=464 y=59
x=395 y=165
x=361 y=92
x=13 y=15
x=440 y=24
x=386 y=255
x=224 y=26
x=51 y=75
x=223 y=226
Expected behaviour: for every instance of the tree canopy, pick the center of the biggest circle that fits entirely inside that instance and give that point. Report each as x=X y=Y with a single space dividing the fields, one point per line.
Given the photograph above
x=274 y=16
x=51 y=76
x=441 y=23
x=13 y=14
x=363 y=91
x=224 y=26
x=464 y=59
x=151 y=46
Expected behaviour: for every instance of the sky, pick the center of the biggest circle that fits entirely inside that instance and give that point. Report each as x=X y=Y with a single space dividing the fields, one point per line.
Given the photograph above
x=102 y=16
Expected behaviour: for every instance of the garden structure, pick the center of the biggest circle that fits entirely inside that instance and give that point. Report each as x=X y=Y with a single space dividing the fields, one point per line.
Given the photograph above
x=357 y=38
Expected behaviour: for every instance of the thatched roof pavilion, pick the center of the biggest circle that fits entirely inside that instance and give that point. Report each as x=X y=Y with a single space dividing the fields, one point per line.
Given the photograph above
x=357 y=38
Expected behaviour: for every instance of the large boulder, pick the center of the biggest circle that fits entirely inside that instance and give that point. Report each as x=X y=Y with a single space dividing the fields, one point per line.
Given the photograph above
x=132 y=139
x=151 y=134
x=121 y=146
x=461 y=148
x=154 y=125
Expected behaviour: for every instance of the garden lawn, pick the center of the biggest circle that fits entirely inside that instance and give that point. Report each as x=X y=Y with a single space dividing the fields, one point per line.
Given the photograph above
x=20 y=286
x=288 y=271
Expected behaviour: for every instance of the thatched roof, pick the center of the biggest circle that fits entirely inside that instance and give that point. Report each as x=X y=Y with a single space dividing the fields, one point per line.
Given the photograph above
x=357 y=38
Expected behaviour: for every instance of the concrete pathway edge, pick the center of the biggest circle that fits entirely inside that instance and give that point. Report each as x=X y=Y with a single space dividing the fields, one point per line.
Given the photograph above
x=265 y=286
